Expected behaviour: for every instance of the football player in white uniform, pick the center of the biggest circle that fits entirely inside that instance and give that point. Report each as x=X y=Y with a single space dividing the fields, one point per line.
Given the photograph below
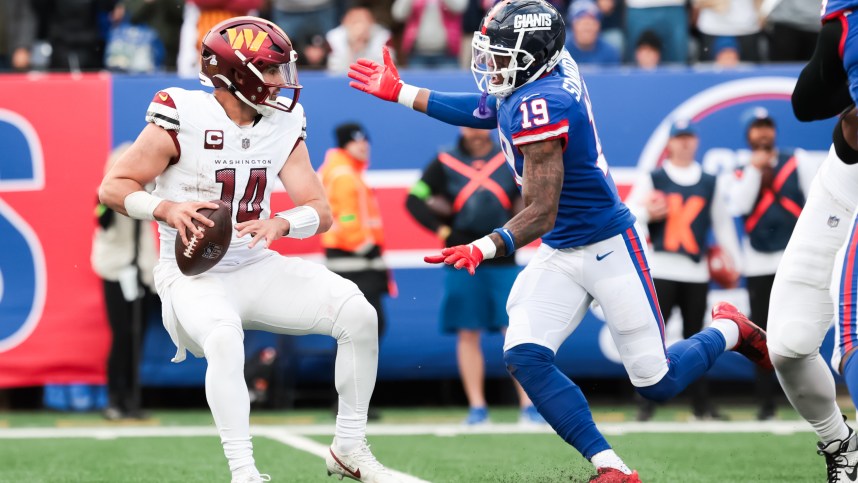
x=231 y=145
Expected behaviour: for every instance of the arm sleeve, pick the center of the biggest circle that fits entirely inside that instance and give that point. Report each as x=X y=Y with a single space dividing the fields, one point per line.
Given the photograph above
x=460 y=109
x=723 y=223
x=744 y=192
x=636 y=201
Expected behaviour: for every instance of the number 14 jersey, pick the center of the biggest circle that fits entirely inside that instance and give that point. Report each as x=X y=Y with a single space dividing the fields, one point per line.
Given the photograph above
x=219 y=160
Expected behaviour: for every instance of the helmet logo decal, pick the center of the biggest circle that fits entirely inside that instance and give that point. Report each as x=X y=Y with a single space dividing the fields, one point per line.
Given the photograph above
x=238 y=39
x=530 y=20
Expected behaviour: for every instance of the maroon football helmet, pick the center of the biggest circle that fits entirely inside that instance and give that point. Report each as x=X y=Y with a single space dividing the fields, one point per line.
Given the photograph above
x=236 y=53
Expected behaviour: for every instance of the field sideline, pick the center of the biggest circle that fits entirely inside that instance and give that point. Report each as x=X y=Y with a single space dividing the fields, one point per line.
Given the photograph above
x=82 y=448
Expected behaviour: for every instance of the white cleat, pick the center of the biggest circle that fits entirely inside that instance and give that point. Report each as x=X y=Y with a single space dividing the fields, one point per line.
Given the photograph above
x=250 y=475
x=841 y=458
x=359 y=465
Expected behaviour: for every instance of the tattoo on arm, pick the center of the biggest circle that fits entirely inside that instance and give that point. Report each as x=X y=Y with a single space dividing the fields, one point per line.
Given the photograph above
x=542 y=180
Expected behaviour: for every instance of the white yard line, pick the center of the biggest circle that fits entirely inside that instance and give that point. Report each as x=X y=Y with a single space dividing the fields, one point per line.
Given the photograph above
x=280 y=431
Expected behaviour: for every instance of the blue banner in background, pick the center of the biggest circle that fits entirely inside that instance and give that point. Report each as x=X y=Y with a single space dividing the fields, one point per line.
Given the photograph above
x=632 y=110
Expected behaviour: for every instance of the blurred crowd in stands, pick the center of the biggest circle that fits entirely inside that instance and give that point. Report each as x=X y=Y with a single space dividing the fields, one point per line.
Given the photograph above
x=144 y=36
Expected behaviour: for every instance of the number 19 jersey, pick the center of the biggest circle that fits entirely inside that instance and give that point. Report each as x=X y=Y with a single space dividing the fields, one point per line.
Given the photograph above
x=219 y=160
x=557 y=106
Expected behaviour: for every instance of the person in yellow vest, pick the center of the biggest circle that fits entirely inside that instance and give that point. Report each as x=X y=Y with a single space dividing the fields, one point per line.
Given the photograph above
x=354 y=244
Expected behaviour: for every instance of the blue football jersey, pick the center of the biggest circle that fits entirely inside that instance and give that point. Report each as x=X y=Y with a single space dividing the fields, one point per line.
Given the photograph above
x=831 y=7
x=557 y=106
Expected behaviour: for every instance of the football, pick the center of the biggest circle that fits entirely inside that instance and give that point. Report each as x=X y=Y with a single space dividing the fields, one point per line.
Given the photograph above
x=722 y=270
x=202 y=254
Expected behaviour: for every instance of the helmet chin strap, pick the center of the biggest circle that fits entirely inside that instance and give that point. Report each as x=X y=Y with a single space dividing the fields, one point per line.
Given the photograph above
x=230 y=86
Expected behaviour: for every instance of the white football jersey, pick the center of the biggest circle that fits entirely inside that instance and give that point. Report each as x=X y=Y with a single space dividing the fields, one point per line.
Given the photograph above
x=219 y=160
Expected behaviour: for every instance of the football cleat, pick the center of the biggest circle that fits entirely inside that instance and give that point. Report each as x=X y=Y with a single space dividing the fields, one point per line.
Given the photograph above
x=841 y=458
x=752 y=339
x=250 y=475
x=613 y=475
x=359 y=465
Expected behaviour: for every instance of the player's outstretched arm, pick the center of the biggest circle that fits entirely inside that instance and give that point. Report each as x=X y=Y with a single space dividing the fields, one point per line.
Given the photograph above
x=122 y=188
x=459 y=109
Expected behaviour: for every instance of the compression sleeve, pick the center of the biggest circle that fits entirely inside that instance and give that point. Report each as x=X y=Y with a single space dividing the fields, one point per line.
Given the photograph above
x=461 y=109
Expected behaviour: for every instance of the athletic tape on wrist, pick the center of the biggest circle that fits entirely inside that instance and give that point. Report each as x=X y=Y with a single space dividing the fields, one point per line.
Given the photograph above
x=508 y=242
x=303 y=221
x=487 y=246
x=407 y=95
x=141 y=205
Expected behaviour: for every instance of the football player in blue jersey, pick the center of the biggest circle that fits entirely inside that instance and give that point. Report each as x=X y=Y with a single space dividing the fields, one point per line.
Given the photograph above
x=533 y=93
x=811 y=270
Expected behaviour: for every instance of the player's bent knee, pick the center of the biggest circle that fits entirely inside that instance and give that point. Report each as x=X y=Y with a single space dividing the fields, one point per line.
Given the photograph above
x=527 y=361
x=224 y=345
x=661 y=391
x=785 y=362
x=357 y=320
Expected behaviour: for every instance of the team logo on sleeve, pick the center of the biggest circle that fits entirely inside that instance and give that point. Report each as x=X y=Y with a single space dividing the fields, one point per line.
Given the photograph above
x=213 y=139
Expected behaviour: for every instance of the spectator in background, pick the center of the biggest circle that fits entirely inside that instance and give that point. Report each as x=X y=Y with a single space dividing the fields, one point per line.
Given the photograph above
x=433 y=31
x=613 y=12
x=769 y=194
x=75 y=31
x=199 y=16
x=124 y=256
x=462 y=194
x=17 y=34
x=314 y=53
x=471 y=20
x=354 y=244
x=725 y=52
x=357 y=36
x=668 y=19
x=679 y=203
x=739 y=19
x=302 y=19
x=792 y=27
x=165 y=16
x=583 y=41
x=648 y=51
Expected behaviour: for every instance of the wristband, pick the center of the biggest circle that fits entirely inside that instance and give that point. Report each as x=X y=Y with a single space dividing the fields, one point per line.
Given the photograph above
x=141 y=205
x=407 y=95
x=303 y=221
x=487 y=246
x=508 y=242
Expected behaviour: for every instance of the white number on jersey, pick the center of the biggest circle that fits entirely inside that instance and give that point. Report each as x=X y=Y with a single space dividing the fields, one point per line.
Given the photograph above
x=538 y=112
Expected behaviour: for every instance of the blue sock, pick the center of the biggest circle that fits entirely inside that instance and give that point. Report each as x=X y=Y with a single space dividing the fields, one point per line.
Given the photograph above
x=687 y=360
x=850 y=374
x=557 y=398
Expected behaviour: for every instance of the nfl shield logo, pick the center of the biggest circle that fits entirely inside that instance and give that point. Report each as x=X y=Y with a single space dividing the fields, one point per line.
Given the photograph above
x=245 y=143
x=833 y=221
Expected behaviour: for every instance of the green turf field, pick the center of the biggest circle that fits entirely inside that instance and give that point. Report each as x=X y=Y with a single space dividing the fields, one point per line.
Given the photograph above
x=182 y=446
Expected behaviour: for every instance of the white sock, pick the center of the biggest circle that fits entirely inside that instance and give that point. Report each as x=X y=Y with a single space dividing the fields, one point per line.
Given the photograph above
x=809 y=386
x=729 y=330
x=609 y=459
x=356 y=331
x=226 y=393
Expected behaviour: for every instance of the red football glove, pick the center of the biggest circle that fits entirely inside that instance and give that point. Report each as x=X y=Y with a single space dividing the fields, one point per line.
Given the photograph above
x=382 y=81
x=460 y=256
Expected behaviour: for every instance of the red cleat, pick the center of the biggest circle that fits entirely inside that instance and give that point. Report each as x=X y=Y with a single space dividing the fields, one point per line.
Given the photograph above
x=752 y=339
x=613 y=475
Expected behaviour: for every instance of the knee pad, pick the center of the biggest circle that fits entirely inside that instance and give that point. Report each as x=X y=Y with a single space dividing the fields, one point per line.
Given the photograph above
x=525 y=361
x=841 y=147
x=357 y=319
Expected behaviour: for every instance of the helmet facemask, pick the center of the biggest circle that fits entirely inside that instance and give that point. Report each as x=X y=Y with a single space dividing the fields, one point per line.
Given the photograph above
x=496 y=68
